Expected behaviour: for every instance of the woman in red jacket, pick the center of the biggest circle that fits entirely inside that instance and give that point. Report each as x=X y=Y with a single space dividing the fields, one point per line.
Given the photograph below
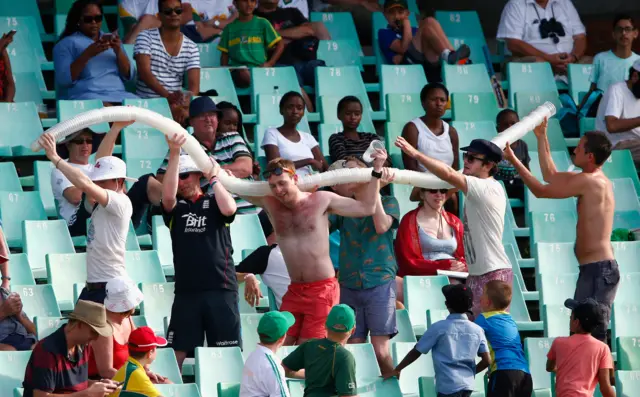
x=429 y=239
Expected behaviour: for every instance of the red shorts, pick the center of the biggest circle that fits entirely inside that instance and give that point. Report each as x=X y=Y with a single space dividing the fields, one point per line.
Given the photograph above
x=310 y=304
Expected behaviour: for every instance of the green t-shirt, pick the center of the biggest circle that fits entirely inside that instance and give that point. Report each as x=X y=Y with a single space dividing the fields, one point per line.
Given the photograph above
x=367 y=259
x=247 y=42
x=330 y=369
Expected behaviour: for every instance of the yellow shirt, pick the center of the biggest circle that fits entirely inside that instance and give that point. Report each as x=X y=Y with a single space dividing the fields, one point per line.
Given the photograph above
x=135 y=380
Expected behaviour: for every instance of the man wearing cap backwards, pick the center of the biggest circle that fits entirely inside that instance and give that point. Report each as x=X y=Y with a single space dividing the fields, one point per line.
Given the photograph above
x=206 y=288
x=59 y=363
x=263 y=375
x=107 y=233
x=599 y=273
x=329 y=368
x=301 y=224
x=484 y=209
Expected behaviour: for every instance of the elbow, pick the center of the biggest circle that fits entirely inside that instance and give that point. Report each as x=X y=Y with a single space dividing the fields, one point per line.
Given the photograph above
x=612 y=126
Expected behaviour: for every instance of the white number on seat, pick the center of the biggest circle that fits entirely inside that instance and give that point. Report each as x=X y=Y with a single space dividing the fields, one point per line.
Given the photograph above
x=78 y=105
x=549 y=217
x=145 y=164
x=270 y=72
x=469 y=125
x=527 y=69
x=12 y=21
x=406 y=98
x=142 y=134
x=425 y=282
x=332 y=46
x=463 y=70
x=474 y=99
x=335 y=72
x=454 y=17
x=158 y=288
x=400 y=71
x=13 y=197
x=327 y=17
x=27 y=291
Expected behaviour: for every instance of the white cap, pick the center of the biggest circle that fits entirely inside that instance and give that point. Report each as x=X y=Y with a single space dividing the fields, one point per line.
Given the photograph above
x=122 y=295
x=187 y=165
x=110 y=167
x=636 y=65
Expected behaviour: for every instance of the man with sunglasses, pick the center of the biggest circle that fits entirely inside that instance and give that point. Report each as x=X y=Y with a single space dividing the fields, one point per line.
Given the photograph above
x=206 y=286
x=301 y=224
x=484 y=209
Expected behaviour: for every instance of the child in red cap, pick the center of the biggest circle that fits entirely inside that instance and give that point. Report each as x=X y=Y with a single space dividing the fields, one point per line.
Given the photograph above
x=142 y=352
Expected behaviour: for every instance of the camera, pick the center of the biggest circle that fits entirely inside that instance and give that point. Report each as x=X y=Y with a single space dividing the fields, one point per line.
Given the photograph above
x=551 y=28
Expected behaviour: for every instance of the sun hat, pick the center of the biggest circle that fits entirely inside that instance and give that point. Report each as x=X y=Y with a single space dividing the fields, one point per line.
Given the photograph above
x=122 y=295
x=94 y=315
x=274 y=325
x=341 y=318
x=187 y=165
x=143 y=339
x=110 y=167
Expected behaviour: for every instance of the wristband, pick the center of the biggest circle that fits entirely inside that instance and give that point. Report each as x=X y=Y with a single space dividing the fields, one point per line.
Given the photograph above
x=6 y=278
x=376 y=174
x=58 y=162
x=213 y=180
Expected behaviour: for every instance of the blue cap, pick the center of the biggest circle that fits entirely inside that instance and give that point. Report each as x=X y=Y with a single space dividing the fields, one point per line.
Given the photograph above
x=490 y=150
x=200 y=105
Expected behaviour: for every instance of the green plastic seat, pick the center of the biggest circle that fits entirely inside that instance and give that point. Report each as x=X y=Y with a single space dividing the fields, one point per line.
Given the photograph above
x=38 y=300
x=625 y=195
x=42 y=238
x=474 y=107
x=336 y=53
x=555 y=258
x=620 y=165
x=134 y=140
x=20 y=127
x=628 y=292
x=249 y=328
x=45 y=326
x=340 y=82
x=28 y=88
x=435 y=315
x=627 y=383
x=460 y=23
x=536 y=350
x=556 y=288
x=9 y=180
x=391 y=132
x=246 y=233
x=157 y=303
x=533 y=205
x=139 y=321
x=405 y=329
x=24 y=59
x=529 y=78
x=144 y=267
x=556 y=319
x=627 y=254
x=27 y=8
x=587 y=124
x=340 y=26
x=158 y=105
x=20 y=270
x=161 y=238
x=628 y=350
x=166 y=365
x=402 y=194
x=329 y=113
x=410 y=375
x=181 y=390
x=466 y=78
x=560 y=158
x=625 y=318
x=63 y=271
x=367 y=366
x=209 y=54
x=274 y=81
x=554 y=135
x=527 y=101
x=228 y=365
x=27 y=26
x=402 y=108
x=15 y=208
x=470 y=130
x=422 y=293
x=42 y=184
x=475 y=44
x=228 y=389
x=380 y=388
x=220 y=80
x=70 y=109
x=13 y=365
x=578 y=80
x=401 y=79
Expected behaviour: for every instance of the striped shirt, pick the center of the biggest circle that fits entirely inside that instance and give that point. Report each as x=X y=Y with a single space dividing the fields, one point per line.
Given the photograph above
x=168 y=69
x=263 y=375
x=341 y=147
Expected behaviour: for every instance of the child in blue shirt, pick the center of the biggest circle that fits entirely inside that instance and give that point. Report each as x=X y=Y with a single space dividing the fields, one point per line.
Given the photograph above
x=509 y=372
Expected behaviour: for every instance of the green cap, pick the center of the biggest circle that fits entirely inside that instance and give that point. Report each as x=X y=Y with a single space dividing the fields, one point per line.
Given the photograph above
x=341 y=318
x=389 y=4
x=274 y=325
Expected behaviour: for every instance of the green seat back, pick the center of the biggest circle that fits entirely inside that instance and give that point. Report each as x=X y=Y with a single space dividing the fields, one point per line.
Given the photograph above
x=380 y=388
x=23 y=58
x=329 y=113
x=324 y=133
x=627 y=383
x=158 y=105
x=27 y=87
x=620 y=165
x=628 y=292
x=340 y=82
x=246 y=233
x=181 y=390
x=527 y=101
x=166 y=365
x=340 y=53
x=460 y=23
x=63 y=271
x=42 y=184
x=209 y=54
x=42 y=238
x=274 y=81
x=422 y=293
x=529 y=78
x=144 y=267
x=628 y=349
x=45 y=326
x=139 y=321
x=402 y=194
x=627 y=254
x=534 y=204
x=470 y=130
x=220 y=80
x=401 y=79
x=153 y=141
x=405 y=329
x=554 y=135
x=13 y=365
x=474 y=107
x=552 y=227
x=401 y=108
x=367 y=365
x=38 y=300
x=228 y=390
x=228 y=365
x=27 y=8
x=21 y=273
x=9 y=181
x=556 y=288
x=578 y=80
x=625 y=195
x=587 y=124
x=15 y=208
x=536 y=350
x=70 y=109
x=410 y=375
x=560 y=158
x=625 y=319
x=20 y=127
x=556 y=319
x=475 y=44
x=249 y=327
x=391 y=132
x=552 y=258
x=161 y=239
x=26 y=26
x=466 y=78
x=158 y=299
x=340 y=26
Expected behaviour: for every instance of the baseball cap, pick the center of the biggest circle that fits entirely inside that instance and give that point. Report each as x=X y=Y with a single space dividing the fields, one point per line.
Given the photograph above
x=341 y=318
x=389 y=4
x=110 y=167
x=636 y=65
x=458 y=297
x=122 y=295
x=200 y=105
x=274 y=325
x=143 y=339
x=589 y=312
x=187 y=165
x=481 y=146
x=94 y=315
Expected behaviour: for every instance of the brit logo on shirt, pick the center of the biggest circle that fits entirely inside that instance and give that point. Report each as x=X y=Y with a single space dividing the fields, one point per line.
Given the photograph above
x=195 y=223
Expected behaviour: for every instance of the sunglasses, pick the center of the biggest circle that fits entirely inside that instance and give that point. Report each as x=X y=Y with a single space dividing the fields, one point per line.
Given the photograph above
x=169 y=11
x=434 y=191
x=471 y=158
x=277 y=172
x=184 y=176
x=80 y=141
x=92 y=18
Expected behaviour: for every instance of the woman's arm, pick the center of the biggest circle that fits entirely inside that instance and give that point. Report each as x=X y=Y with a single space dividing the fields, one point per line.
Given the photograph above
x=455 y=146
x=410 y=134
x=103 y=354
x=319 y=157
x=9 y=84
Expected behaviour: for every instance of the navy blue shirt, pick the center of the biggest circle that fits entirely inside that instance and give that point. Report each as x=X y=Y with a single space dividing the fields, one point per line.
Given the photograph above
x=386 y=37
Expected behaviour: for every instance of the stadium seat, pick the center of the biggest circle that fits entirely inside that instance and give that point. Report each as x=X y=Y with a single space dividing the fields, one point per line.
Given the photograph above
x=328 y=107
x=69 y=109
x=63 y=271
x=555 y=258
x=182 y=390
x=475 y=44
x=246 y=233
x=274 y=81
x=627 y=254
x=410 y=375
x=219 y=79
x=527 y=101
x=45 y=326
x=578 y=80
x=435 y=315
x=556 y=319
x=20 y=270
x=20 y=127
x=228 y=389
x=338 y=53
x=27 y=26
x=421 y=294
x=554 y=136
x=366 y=364
x=340 y=26
x=157 y=303
x=625 y=318
x=620 y=165
x=161 y=237
x=9 y=181
x=228 y=365
x=340 y=82
x=627 y=205
x=466 y=78
x=529 y=78
x=139 y=321
x=402 y=193
x=28 y=88
x=627 y=383
x=209 y=54
x=45 y=237
x=536 y=350
x=470 y=130
x=401 y=108
x=249 y=328
x=628 y=357
x=460 y=23
x=15 y=208
x=42 y=184
x=405 y=329
x=12 y=368
x=380 y=388
x=166 y=365
x=628 y=292
x=553 y=226
x=560 y=158
x=587 y=124
x=158 y=105
x=144 y=266
x=474 y=107
x=401 y=79
x=23 y=58
x=38 y=300
x=556 y=288
x=144 y=161
x=391 y=132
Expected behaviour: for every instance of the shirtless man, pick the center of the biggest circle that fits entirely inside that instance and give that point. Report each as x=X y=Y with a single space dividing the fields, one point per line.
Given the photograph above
x=300 y=220
x=599 y=274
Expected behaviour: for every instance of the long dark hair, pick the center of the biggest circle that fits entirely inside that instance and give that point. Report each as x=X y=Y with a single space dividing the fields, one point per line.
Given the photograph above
x=75 y=13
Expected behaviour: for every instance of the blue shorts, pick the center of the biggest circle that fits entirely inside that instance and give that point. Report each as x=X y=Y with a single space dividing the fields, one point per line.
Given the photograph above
x=375 y=309
x=19 y=342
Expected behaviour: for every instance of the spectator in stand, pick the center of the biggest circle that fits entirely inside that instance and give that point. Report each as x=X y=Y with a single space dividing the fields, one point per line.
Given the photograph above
x=88 y=63
x=300 y=5
x=136 y=16
x=612 y=66
x=329 y=368
x=17 y=331
x=368 y=267
x=163 y=56
x=268 y=262
x=59 y=363
x=110 y=217
x=350 y=142
x=300 y=40
x=288 y=143
x=619 y=113
x=263 y=374
x=402 y=44
x=208 y=19
x=247 y=42
x=544 y=31
x=429 y=239
x=206 y=289
x=7 y=85
x=580 y=361
x=506 y=171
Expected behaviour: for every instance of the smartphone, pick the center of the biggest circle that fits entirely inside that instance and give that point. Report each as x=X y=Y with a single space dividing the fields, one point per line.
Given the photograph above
x=107 y=36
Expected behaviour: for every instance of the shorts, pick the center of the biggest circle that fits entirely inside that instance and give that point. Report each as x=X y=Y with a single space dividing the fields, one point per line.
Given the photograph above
x=599 y=280
x=96 y=295
x=19 y=342
x=433 y=71
x=477 y=283
x=375 y=309
x=509 y=383
x=214 y=313
x=310 y=304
